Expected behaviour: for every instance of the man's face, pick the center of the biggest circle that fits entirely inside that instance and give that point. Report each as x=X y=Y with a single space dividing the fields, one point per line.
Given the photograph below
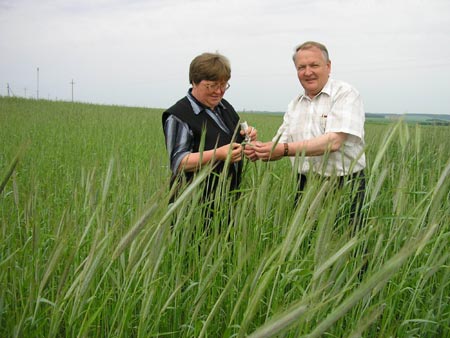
x=312 y=70
x=210 y=93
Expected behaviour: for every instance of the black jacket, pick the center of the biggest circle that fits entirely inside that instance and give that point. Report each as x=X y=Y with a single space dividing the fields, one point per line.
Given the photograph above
x=214 y=137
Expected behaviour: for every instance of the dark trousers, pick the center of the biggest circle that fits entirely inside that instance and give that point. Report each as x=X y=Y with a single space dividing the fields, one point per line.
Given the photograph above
x=358 y=187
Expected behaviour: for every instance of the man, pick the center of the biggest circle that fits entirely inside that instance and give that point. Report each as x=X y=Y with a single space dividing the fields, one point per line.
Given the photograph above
x=325 y=123
x=204 y=113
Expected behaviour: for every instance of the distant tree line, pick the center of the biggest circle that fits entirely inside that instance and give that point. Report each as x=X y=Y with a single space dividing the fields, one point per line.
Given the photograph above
x=435 y=122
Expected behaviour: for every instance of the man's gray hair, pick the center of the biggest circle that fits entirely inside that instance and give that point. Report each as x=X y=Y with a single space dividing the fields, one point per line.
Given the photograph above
x=311 y=44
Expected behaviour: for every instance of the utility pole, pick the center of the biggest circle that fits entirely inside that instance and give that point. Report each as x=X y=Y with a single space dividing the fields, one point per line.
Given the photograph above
x=37 y=94
x=72 y=83
x=10 y=91
x=7 y=88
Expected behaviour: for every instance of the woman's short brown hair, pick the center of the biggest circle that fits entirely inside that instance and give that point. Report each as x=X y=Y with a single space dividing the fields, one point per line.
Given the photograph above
x=210 y=67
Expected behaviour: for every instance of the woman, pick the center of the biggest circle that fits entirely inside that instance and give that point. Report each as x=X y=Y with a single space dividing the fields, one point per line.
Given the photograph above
x=204 y=113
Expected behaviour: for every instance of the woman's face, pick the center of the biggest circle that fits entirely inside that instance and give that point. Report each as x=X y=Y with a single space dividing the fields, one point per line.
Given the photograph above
x=209 y=93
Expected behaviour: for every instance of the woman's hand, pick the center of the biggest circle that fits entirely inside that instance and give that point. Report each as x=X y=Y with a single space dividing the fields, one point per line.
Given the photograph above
x=249 y=152
x=251 y=135
x=235 y=150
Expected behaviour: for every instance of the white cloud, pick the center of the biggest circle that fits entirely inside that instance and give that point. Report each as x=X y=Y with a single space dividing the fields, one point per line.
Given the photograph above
x=138 y=52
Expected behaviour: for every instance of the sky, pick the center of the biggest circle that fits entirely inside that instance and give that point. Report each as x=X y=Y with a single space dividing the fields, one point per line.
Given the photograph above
x=396 y=53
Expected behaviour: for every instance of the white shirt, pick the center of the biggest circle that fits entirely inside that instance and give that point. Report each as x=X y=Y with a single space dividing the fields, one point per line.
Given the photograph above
x=337 y=108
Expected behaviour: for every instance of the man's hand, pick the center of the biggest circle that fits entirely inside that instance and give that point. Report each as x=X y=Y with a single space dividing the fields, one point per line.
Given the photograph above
x=268 y=151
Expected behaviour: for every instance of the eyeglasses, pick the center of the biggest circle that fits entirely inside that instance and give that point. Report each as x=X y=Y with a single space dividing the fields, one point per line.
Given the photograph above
x=213 y=87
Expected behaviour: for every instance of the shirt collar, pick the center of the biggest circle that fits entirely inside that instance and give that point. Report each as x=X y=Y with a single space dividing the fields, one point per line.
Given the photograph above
x=197 y=106
x=326 y=90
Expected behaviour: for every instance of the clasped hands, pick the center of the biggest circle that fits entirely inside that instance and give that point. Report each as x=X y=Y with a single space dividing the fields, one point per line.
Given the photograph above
x=265 y=151
x=253 y=150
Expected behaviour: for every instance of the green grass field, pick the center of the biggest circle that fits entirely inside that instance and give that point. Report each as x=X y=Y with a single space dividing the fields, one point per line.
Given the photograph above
x=90 y=248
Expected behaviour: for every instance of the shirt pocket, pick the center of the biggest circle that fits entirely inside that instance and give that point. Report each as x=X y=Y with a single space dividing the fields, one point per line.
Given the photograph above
x=323 y=122
x=318 y=125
